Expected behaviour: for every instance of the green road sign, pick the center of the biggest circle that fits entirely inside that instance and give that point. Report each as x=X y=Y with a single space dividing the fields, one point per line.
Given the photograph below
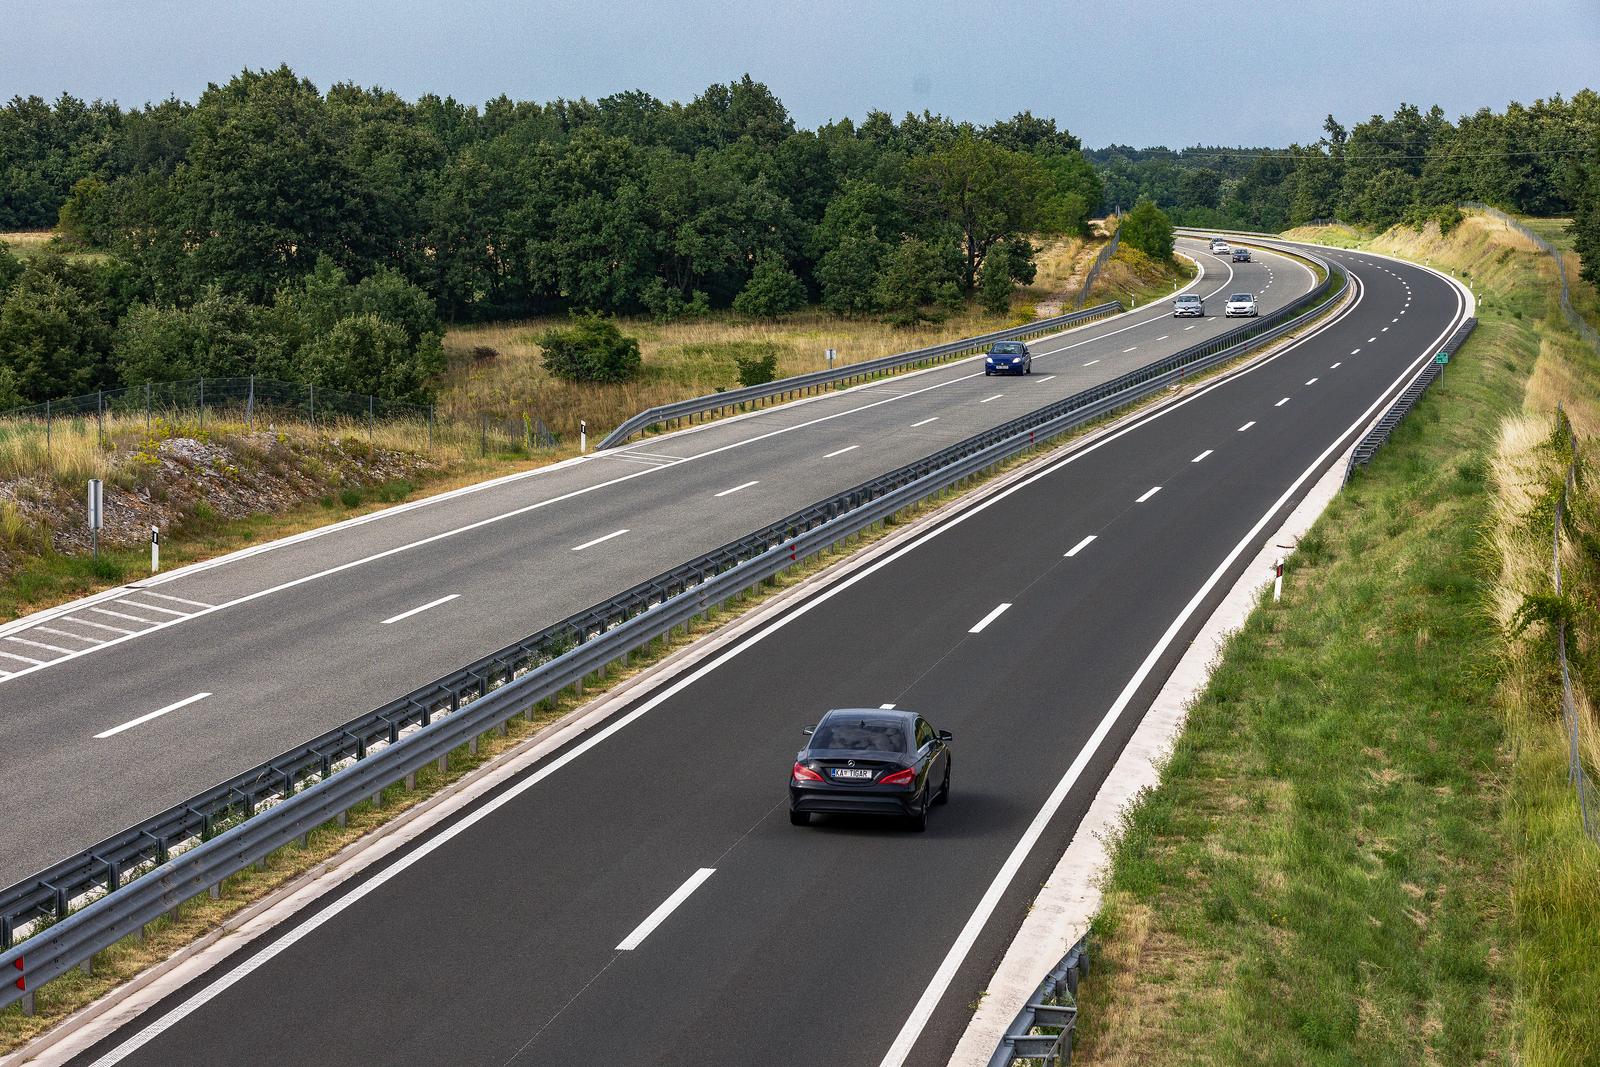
x=1442 y=357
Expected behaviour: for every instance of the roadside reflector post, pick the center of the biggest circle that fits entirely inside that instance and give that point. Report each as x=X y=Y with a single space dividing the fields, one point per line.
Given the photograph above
x=1277 y=580
x=831 y=354
x=96 y=513
x=583 y=435
x=155 y=549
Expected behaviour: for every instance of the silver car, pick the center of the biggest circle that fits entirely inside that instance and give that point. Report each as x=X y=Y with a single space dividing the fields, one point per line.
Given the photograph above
x=1219 y=247
x=1188 y=306
x=1240 y=304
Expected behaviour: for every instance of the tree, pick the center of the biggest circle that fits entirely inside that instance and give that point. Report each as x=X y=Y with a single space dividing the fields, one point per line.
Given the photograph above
x=848 y=275
x=364 y=354
x=56 y=327
x=1148 y=229
x=916 y=274
x=987 y=192
x=219 y=336
x=591 y=349
x=10 y=270
x=773 y=290
x=1586 y=223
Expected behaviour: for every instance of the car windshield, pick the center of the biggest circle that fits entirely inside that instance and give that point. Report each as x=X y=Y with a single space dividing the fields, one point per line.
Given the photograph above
x=1188 y=300
x=861 y=735
x=1246 y=297
x=1007 y=348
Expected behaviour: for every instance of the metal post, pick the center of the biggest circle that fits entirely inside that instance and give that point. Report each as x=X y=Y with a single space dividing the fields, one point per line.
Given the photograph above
x=369 y=418
x=430 y=427
x=100 y=413
x=313 y=403
x=483 y=436
x=202 y=403
x=47 y=427
x=250 y=405
x=147 y=405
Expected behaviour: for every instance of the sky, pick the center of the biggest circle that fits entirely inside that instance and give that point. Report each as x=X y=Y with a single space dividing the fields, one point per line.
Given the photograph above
x=1139 y=72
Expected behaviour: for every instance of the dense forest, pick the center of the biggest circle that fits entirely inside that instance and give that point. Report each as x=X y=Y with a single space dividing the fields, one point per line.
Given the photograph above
x=272 y=228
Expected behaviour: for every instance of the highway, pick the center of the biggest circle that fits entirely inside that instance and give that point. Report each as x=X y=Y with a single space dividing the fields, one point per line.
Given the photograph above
x=641 y=898
x=115 y=709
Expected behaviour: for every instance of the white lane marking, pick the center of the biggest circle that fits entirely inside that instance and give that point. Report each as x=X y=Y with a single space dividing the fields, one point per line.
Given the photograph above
x=66 y=633
x=1336 y=366
x=1384 y=330
x=1355 y=351
x=668 y=906
x=1313 y=381
x=1125 y=351
x=735 y=489
x=1371 y=339
x=152 y=607
x=1282 y=402
x=1202 y=455
x=996 y=396
x=885 y=707
x=1191 y=327
x=1246 y=426
x=419 y=610
x=24 y=659
x=1402 y=311
x=598 y=540
x=946 y=972
x=1091 y=363
x=41 y=644
x=1148 y=493
x=98 y=625
x=924 y=422
x=1046 y=378
x=1395 y=319
x=121 y=615
x=987 y=619
x=1163 y=337
x=141 y=720
x=841 y=451
x=1080 y=546
x=174 y=599
x=900 y=1049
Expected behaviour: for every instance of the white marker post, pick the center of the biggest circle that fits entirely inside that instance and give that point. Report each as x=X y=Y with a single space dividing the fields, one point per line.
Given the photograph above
x=583 y=435
x=96 y=513
x=155 y=549
x=831 y=353
x=1277 y=581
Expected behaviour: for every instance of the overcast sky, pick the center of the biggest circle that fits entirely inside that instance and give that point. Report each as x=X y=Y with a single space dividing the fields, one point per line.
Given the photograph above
x=1138 y=72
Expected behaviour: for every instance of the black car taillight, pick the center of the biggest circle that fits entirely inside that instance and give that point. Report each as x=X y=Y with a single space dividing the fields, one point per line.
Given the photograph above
x=802 y=773
x=905 y=777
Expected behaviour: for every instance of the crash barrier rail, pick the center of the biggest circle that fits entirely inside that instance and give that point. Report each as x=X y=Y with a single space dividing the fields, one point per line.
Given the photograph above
x=267 y=401
x=1375 y=438
x=1094 y=268
x=1588 y=795
x=1053 y=1008
x=816 y=381
x=1574 y=319
x=147 y=870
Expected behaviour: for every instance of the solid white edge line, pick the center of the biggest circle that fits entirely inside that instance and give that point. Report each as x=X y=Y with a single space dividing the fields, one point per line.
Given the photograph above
x=735 y=489
x=907 y=1038
x=141 y=720
x=987 y=619
x=419 y=610
x=668 y=906
x=841 y=451
x=1148 y=493
x=599 y=540
x=1080 y=546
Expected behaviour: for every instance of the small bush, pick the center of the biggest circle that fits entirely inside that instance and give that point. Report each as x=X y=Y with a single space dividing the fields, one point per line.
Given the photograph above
x=592 y=349
x=757 y=369
x=350 y=498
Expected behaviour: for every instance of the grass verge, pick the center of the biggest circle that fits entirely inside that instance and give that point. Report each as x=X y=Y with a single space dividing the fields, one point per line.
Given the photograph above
x=1363 y=848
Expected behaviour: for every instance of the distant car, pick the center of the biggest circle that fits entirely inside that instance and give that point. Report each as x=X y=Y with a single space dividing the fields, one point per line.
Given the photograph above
x=1240 y=304
x=1008 y=357
x=1188 y=306
x=1219 y=247
x=871 y=761
x=1241 y=255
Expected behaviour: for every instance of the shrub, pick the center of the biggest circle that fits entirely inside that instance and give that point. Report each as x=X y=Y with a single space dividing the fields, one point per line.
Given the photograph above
x=592 y=349
x=1148 y=229
x=773 y=290
x=758 y=369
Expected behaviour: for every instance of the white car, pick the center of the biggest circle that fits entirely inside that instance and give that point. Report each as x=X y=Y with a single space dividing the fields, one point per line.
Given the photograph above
x=1240 y=304
x=1219 y=247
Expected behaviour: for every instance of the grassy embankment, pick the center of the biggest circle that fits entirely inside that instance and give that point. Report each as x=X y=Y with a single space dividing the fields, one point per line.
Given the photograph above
x=1364 y=848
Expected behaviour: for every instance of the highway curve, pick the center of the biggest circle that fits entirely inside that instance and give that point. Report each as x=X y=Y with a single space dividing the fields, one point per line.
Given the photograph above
x=495 y=939
x=105 y=720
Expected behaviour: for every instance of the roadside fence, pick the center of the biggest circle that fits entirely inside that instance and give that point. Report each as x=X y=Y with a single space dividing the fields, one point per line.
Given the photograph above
x=261 y=403
x=1582 y=784
x=1094 y=268
x=1575 y=320
x=59 y=918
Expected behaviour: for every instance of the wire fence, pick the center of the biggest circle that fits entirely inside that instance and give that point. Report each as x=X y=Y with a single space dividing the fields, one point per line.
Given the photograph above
x=1094 y=268
x=266 y=403
x=1588 y=795
x=1574 y=318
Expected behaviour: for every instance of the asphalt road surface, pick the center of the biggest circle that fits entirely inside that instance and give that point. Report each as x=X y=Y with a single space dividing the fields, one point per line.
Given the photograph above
x=534 y=927
x=117 y=710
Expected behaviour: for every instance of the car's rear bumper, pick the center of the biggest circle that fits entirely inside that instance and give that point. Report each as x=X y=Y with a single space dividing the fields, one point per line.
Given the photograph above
x=848 y=801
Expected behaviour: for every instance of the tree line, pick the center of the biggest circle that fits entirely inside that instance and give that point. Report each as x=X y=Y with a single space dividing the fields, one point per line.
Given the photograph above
x=216 y=218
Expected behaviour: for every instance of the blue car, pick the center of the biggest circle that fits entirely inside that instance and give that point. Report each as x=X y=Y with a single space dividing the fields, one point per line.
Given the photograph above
x=1008 y=357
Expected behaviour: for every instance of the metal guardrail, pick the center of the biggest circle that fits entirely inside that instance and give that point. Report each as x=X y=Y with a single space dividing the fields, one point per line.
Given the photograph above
x=1375 y=438
x=1588 y=795
x=817 y=380
x=1052 y=1008
x=145 y=871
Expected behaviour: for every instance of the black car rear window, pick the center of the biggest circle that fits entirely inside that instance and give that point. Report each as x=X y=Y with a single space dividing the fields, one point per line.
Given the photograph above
x=861 y=735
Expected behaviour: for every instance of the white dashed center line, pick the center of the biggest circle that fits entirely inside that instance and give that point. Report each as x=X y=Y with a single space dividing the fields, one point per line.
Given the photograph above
x=996 y=396
x=1148 y=493
x=1312 y=382
x=987 y=619
x=1080 y=546
x=1091 y=363
x=1046 y=378
x=1336 y=366
x=735 y=489
x=598 y=540
x=131 y=723
x=1202 y=455
x=1246 y=426
x=841 y=451
x=1282 y=402
x=418 y=611
x=924 y=422
x=1125 y=351
x=668 y=906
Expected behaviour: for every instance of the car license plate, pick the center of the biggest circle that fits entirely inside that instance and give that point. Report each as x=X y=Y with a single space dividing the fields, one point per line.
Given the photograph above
x=851 y=772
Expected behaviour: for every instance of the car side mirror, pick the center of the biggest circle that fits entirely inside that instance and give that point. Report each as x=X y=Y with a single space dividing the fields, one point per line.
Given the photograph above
x=808 y=730
x=946 y=736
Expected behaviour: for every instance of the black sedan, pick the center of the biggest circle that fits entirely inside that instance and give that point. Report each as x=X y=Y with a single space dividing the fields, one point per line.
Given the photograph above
x=871 y=761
